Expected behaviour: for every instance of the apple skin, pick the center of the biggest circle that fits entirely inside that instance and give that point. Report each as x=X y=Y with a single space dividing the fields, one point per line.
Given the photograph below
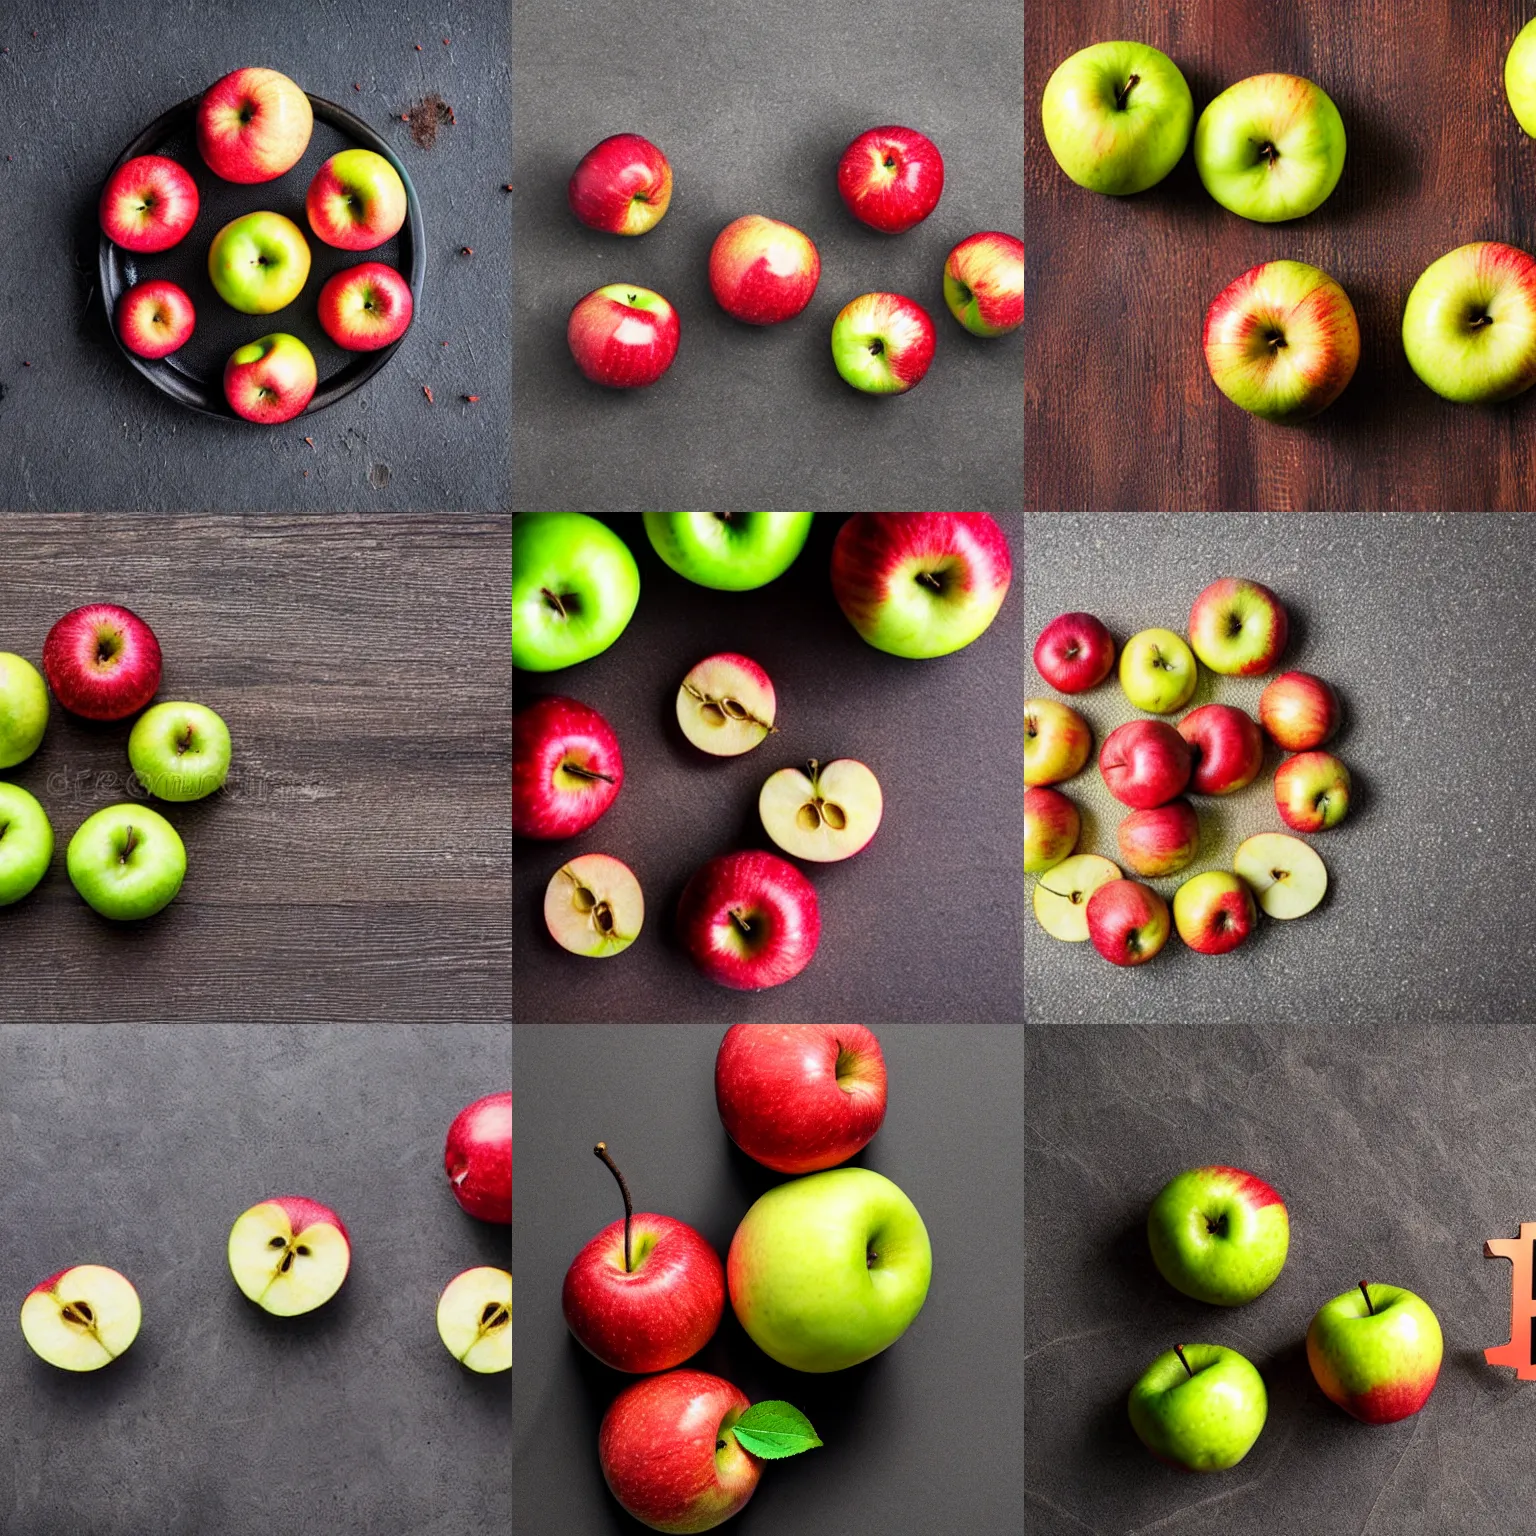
x=356 y=201
x=1312 y=791
x=1214 y=912
x=984 y=283
x=657 y=1448
x=567 y=768
x=1051 y=827
x=180 y=751
x=1282 y=341
x=1379 y=1359
x=891 y=178
x=253 y=125
x=1520 y=77
x=1159 y=841
x=102 y=662
x=557 y=556
x=26 y=843
x=127 y=862
x=1469 y=327
x=1145 y=763
x=1201 y=1417
x=882 y=343
x=24 y=708
x=622 y=186
x=1075 y=652
x=1158 y=671
x=772 y=898
x=1057 y=741
x=729 y=551
x=477 y=1157
x=1238 y=628
x=623 y=336
x=761 y=271
x=148 y=204
x=270 y=380
x=1228 y=748
x=1128 y=922
x=1299 y=711
x=1219 y=1234
x=259 y=263
x=366 y=307
x=798 y=1098
x=155 y=318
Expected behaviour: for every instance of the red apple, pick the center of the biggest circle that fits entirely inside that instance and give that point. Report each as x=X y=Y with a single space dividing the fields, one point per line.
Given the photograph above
x=762 y=271
x=253 y=125
x=622 y=186
x=1145 y=763
x=984 y=283
x=1299 y=711
x=1312 y=791
x=366 y=307
x=1074 y=653
x=356 y=201
x=102 y=662
x=1228 y=748
x=1215 y=912
x=1161 y=840
x=749 y=920
x=148 y=204
x=891 y=178
x=478 y=1158
x=882 y=343
x=623 y=336
x=1128 y=922
x=1051 y=827
x=270 y=380
x=155 y=318
x=566 y=768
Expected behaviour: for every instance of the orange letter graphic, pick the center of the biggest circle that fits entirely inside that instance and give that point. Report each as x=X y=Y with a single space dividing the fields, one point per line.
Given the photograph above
x=1522 y=1300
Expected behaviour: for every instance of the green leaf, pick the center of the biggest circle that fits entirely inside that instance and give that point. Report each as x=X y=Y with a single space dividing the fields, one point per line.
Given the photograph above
x=774 y=1430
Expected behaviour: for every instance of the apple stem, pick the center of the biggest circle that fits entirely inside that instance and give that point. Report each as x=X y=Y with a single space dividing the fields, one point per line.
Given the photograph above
x=741 y=923
x=554 y=602
x=586 y=773
x=1268 y=153
x=1178 y=1349
x=1125 y=91
x=929 y=580
x=1365 y=1291
x=601 y=1149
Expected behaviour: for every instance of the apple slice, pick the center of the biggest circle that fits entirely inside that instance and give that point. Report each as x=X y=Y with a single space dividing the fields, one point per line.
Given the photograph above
x=474 y=1319
x=726 y=705
x=82 y=1318
x=1287 y=876
x=1061 y=895
x=824 y=814
x=593 y=906
x=289 y=1255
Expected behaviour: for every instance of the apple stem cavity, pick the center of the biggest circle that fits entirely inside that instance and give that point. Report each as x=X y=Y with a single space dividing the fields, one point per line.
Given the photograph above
x=601 y=1149
x=1365 y=1291
x=1122 y=94
x=130 y=842
x=577 y=771
x=1268 y=153
x=562 y=603
x=1178 y=1349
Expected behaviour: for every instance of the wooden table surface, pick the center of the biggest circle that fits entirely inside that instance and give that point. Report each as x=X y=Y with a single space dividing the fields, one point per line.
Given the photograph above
x=357 y=865
x=1121 y=413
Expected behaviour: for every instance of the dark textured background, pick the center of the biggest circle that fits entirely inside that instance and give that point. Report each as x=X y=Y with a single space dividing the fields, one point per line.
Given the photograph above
x=134 y=1148
x=1121 y=410
x=753 y=101
x=80 y=429
x=920 y=926
x=926 y=1436
x=357 y=865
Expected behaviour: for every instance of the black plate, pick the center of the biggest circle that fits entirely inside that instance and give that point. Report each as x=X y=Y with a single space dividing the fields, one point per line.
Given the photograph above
x=194 y=375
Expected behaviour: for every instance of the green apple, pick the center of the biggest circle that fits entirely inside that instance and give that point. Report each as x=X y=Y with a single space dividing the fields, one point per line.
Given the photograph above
x=1200 y=1407
x=1375 y=1351
x=1270 y=147
x=1158 y=671
x=26 y=843
x=1117 y=117
x=127 y=862
x=179 y=751
x=1219 y=1234
x=729 y=551
x=1520 y=77
x=574 y=588
x=259 y=262
x=827 y=1270
x=23 y=709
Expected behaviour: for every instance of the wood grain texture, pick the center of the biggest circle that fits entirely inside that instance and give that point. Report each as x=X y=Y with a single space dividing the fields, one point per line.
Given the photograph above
x=357 y=865
x=1121 y=413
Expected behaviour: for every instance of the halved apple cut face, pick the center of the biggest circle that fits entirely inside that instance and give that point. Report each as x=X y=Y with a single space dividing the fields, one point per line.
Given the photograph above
x=1061 y=895
x=726 y=705
x=474 y=1319
x=82 y=1318
x=593 y=906
x=289 y=1255
x=1287 y=876
x=822 y=813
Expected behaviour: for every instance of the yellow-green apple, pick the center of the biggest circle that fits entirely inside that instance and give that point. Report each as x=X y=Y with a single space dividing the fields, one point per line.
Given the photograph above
x=798 y=1098
x=1074 y=653
x=726 y=704
x=289 y=1254
x=668 y=1453
x=623 y=336
x=1127 y=922
x=477 y=1157
x=127 y=862
x=1299 y=711
x=621 y=186
x=1375 y=1351
x=646 y=1293
x=253 y=125
x=574 y=588
x=1062 y=894
x=259 y=262
x=1057 y=742
x=1219 y=1234
x=1214 y=912
x=890 y=178
x=1117 y=117
x=829 y=1269
x=1157 y=671
x=474 y=1319
x=1284 y=873
x=24 y=708
x=1520 y=77
x=984 y=283
x=1199 y=1407
x=593 y=906
x=823 y=813
x=749 y=920
x=82 y=1318
x=366 y=307
x=270 y=380
x=920 y=584
x=148 y=204
x=882 y=343
x=154 y=318
x=1312 y=791
x=1051 y=827
x=729 y=551
x=26 y=843
x=180 y=751
x=102 y=662
x=762 y=271
x=356 y=201
x=1160 y=840
x=1469 y=327
x=1145 y=763
x=567 y=768
x=1270 y=147
x=1228 y=748
x=1282 y=341
x=1238 y=628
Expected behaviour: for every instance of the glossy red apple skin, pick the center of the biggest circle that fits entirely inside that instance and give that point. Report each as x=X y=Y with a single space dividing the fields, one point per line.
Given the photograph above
x=253 y=125
x=1074 y=653
x=148 y=204
x=1145 y=763
x=1299 y=711
x=891 y=178
x=657 y=1445
x=991 y=265
x=366 y=307
x=275 y=386
x=155 y=318
x=102 y=662
x=550 y=738
x=782 y=1101
x=619 y=184
x=1228 y=922
x=903 y=326
x=1159 y=841
x=620 y=346
x=477 y=1157
x=1302 y=781
x=1128 y=922
x=761 y=271
x=766 y=892
x=1228 y=748
x=303 y=1213
x=651 y=1317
